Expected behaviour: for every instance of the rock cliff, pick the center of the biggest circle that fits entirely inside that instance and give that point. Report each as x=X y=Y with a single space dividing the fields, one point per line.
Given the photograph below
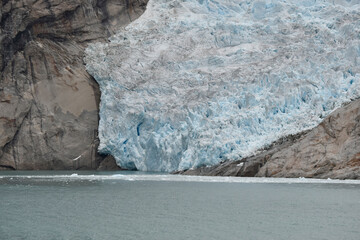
x=330 y=150
x=48 y=102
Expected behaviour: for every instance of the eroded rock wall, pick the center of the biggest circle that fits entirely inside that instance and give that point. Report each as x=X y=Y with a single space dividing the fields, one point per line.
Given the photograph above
x=48 y=102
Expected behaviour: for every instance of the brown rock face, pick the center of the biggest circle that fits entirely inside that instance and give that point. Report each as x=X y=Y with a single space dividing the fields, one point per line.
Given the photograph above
x=331 y=150
x=48 y=102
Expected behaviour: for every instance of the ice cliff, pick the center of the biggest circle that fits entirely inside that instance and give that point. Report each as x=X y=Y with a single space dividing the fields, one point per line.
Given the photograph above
x=197 y=82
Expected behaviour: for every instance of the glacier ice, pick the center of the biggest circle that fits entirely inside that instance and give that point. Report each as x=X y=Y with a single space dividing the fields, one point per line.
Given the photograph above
x=196 y=82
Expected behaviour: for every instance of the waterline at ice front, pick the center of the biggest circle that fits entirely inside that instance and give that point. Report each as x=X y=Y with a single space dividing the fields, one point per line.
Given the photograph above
x=165 y=177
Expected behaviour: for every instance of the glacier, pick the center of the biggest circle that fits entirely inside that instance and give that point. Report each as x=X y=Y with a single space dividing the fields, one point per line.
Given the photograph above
x=196 y=82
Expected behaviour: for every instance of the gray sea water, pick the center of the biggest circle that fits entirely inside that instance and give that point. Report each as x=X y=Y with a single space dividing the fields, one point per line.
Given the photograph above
x=128 y=205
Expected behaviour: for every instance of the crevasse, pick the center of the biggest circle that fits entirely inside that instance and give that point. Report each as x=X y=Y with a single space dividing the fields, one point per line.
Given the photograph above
x=196 y=82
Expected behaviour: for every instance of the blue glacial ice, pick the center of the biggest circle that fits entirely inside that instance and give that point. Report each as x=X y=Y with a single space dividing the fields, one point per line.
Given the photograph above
x=197 y=82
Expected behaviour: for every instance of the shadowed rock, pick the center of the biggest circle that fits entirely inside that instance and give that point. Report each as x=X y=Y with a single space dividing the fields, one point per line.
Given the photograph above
x=48 y=102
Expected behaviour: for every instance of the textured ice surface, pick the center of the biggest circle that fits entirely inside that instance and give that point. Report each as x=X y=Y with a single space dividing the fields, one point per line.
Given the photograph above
x=193 y=83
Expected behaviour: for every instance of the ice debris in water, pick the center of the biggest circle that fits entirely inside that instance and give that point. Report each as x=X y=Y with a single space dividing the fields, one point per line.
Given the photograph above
x=196 y=82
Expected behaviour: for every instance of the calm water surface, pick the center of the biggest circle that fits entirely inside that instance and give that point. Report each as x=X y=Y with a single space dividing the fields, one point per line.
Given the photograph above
x=88 y=205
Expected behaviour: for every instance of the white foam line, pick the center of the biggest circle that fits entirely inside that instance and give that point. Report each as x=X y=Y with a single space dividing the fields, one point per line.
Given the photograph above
x=181 y=178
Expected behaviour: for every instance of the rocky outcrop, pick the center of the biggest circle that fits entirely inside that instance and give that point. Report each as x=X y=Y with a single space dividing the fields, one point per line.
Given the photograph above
x=331 y=150
x=48 y=102
x=109 y=163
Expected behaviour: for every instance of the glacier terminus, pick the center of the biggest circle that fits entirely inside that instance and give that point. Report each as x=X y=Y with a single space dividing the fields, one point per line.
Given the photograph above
x=196 y=82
